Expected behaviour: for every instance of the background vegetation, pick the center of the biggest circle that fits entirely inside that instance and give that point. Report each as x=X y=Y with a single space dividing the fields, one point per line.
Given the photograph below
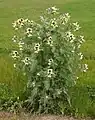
x=82 y=11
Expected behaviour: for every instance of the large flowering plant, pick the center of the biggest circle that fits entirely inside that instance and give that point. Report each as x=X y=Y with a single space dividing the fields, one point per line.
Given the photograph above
x=49 y=55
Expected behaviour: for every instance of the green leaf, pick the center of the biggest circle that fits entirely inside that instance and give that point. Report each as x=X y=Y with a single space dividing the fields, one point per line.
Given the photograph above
x=33 y=66
x=47 y=84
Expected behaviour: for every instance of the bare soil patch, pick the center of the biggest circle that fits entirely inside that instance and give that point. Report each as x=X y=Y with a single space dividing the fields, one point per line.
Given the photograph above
x=10 y=116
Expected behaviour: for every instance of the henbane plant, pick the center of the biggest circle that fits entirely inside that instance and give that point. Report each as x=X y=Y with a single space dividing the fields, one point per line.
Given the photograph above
x=49 y=55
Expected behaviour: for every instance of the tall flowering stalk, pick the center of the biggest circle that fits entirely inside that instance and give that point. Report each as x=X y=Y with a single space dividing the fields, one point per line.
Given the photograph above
x=49 y=54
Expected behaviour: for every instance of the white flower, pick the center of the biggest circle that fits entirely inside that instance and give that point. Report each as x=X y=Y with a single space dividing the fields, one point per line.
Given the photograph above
x=72 y=41
x=74 y=48
x=84 y=71
x=14 y=24
x=26 y=61
x=18 y=24
x=61 y=19
x=46 y=97
x=20 y=49
x=39 y=37
x=14 y=39
x=33 y=84
x=20 y=43
x=37 y=47
x=42 y=19
x=14 y=65
x=85 y=68
x=16 y=28
x=52 y=10
x=82 y=39
x=54 y=23
x=50 y=61
x=67 y=15
x=32 y=22
x=49 y=41
x=50 y=38
x=77 y=27
x=72 y=51
x=18 y=98
x=29 y=35
x=15 y=54
x=81 y=56
x=20 y=21
x=50 y=73
x=79 y=46
x=70 y=36
x=59 y=92
x=27 y=21
x=29 y=30
x=38 y=74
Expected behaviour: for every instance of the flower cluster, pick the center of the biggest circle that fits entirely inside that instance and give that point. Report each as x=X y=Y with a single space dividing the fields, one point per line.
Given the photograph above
x=50 y=41
x=70 y=36
x=64 y=18
x=53 y=23
x=18 y=24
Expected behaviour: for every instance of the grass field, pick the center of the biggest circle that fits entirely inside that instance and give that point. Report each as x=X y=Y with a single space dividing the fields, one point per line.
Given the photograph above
x=82 y=11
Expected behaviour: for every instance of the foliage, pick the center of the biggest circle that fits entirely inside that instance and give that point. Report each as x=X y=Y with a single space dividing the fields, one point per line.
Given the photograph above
x=4 y=91
x=7 y=101
x=11 y=105
x=49 y=55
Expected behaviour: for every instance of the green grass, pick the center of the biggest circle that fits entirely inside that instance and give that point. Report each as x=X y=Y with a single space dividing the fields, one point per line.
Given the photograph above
x=82 y=11
x=10 y=77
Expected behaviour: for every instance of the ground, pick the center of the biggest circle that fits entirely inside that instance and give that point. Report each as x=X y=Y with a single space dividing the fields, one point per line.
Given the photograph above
x=8 y=116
